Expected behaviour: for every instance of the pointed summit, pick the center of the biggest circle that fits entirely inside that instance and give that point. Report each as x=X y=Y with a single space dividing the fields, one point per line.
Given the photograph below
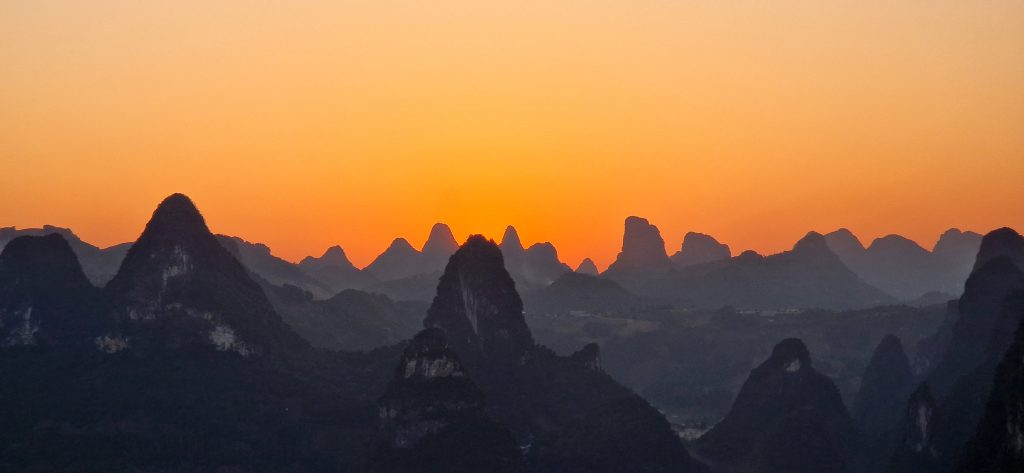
x=478 y=307
x=845 y=244
x=178 y=286
x=886 y=383
x=510 y=241
x=176 y=214
x=1004 y=242
x=399 y=260
x=587 y=267
x=333 y=257
x=698 y=248
x=440 y=241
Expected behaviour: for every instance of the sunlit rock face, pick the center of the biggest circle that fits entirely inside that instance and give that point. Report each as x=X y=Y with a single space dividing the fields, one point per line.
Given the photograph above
x=45 y=297
x=178 y=286
x=786 y=418
x=477 y=306
x=429 y=391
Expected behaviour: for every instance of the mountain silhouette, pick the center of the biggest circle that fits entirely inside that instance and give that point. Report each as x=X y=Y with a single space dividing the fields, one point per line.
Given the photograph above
x=99 y=265
x=587 y=267
x=581 y=292
x=643 y=256
x=904 y=269
x=179 y=287
x=334 y=270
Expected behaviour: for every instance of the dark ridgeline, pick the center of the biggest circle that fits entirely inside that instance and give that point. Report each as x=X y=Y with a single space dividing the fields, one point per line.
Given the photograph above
x=787 y=418
x=904 y=269
x=642 y=258
x=45 y=298
x=587 y=267
x=810 y=275
x=565 y=411
x=433 y=418
x=991 y=307
x=698 y=248
x=885 y=386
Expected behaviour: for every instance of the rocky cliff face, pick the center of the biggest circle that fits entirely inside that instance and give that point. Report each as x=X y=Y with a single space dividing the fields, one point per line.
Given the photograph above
x=45 y=298
x=698 y=248
x=178 y=287
x=786 y=418
x=916 y=450
x=478 y=307
x=886 y=383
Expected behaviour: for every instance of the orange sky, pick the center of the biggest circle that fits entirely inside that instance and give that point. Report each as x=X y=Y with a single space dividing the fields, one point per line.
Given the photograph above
x=307 y=124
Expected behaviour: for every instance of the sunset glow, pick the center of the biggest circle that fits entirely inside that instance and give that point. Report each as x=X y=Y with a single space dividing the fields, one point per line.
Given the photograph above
x=305 y=125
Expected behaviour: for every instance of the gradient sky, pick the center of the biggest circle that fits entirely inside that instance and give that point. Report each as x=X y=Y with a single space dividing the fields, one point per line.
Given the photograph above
x=306 y=124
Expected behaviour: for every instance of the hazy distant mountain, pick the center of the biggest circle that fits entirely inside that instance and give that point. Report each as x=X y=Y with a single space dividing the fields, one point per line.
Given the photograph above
x=587 y=267
x=349 y=320
x=256 y=257
x=643 y=256
x=439 y=247
x=401 y=261
x=885 y=386
x=699 y=248
x=533 y=267
x=334 y=270
x=809 y=275
x=98 y=264
x=179 y=287
x=904 y=269
x=581 y=292
x=787 y=418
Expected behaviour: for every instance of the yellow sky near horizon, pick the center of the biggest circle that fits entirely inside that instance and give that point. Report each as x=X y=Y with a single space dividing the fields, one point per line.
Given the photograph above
x=312 y=123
